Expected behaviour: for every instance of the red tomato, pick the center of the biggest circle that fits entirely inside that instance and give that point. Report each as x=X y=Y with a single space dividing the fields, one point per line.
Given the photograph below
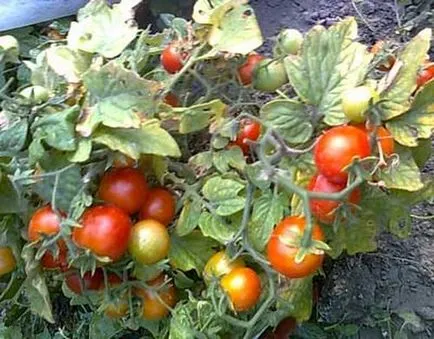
x=384 y=137
x=160 y=206
x=124 y=187
x=43 y=222
x=245 y=72
x=78 y=284
x=324 y=210
x=173 y=58
x=426 y=75
x=152 y=307
x=105 y=231
x=171 y=100
x=285 y=328
x=337 y=148
x=281 y=254
x=7 y=261
x=50 y=262
x=249 y=130
x=243 y=287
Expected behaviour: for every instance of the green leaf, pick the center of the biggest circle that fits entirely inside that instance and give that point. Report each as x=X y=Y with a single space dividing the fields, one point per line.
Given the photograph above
x=198 y=117
x=224 y=194
x=188 y=219
x=298 y=293
x=103 y=327
x=395 y=100
x=405 y=175
x=43 y=75
x=357 y=235
x=255 y=174
x=268 y=210
x=58 y=129
x=103 y=29
x=191 y=252
x=422 y=152
x=117 y=98
x=63 y=185
x=193 y=318
x=150 y=138
x=82 y=153
x=289 y=118
x=231 y=158
x=13 y=138
x=217 y=228
x=68 y=63
x=330 y=62
x=35 y=286
x=9 y=200
x=418 y=122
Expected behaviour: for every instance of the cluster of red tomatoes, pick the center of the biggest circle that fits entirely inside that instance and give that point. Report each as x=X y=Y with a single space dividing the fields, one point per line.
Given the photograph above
x=107 y=231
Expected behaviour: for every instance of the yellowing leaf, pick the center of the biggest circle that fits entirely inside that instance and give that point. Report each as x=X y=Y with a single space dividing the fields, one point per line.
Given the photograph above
x=418 y=122
x=209 y=11
x=330 y=62
x=237 y=31
x=150 y=138
x=68 y=63
x=103 y=29
x=396 y=98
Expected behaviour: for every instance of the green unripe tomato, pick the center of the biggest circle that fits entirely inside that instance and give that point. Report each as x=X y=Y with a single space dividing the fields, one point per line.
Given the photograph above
x=289 y=41
x=10 y=46
x=37 y=94
x=269 y=75
x=355 y=102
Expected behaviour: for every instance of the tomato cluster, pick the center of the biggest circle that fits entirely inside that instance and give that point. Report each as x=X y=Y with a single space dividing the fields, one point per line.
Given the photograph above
x=107 y=231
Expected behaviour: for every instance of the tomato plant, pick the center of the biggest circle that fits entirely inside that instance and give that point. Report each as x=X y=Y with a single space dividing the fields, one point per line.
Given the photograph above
x=324 y=210
x=105 y=230
x=232 y=227
x=337 y=148
x=7 y=261
x=149 y=242
x=159 y=206
x=124 y=187
x=245 y=72
x=283 y=246
x=157 y=299
x=243 y=287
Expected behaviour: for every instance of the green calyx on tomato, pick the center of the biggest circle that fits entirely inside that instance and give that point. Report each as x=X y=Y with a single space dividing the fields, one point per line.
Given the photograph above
x=269 y=75
x=356 y=101
x=283 y=246
x=289 y=41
